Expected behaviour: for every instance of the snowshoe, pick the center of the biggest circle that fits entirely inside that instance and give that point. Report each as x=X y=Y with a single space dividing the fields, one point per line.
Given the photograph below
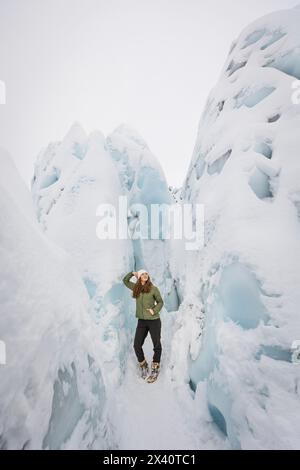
x=155 y=367
x=144 y=369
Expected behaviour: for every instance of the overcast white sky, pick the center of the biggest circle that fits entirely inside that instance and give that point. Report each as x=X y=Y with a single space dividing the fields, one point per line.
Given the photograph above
x=148 y=63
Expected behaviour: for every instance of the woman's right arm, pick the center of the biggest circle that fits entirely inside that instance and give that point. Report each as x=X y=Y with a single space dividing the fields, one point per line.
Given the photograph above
x=127 y=281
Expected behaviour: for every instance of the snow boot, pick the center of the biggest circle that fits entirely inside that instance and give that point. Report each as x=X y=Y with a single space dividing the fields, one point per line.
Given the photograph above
x=155 y=367
x=144 y=369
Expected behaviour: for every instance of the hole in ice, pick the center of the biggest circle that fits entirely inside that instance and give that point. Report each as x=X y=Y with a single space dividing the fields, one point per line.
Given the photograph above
x=240 y=296
x=274 y=118
x=260 y=184
x=51 y=178
x=116 y=153
x=251 y=97
x=234 y=66
x=192 y=385
x=254 y=37
x=218 y=418
x=217 y=166
x=221 y=105
x=288 y=63
x=275 y=352
x=274 y=36
x=264 y=149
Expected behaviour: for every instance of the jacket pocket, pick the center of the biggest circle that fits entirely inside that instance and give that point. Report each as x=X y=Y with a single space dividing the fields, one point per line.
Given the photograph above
x=149 y=301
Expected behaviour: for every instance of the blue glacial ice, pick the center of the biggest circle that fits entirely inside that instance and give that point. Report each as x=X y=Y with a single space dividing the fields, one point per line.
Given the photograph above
x=253 y=37
x=251 y=97
x=288 y=63
x=237 y=299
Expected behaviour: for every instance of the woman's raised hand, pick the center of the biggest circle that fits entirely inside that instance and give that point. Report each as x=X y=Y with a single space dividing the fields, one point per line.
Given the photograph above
x=135 y=274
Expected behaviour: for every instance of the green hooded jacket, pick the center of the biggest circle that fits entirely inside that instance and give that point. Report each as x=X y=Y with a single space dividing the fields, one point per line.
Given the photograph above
x=145 y=300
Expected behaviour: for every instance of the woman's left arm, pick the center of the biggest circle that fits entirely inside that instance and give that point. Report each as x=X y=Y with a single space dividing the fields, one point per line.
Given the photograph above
x=157 y=308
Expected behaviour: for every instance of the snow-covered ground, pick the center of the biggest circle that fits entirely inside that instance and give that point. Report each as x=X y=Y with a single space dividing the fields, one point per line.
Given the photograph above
x=231 y=310
x=161 y=415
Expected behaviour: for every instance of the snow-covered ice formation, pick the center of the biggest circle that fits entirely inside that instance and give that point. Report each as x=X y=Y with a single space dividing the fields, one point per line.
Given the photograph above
x=53 y=393
x=231 y=320
x=71 y=179
x=244 y=283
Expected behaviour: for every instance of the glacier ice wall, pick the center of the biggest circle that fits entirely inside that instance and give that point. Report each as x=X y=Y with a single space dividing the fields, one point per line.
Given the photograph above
x=53 y=392
x=241 y=291
x=143 y=182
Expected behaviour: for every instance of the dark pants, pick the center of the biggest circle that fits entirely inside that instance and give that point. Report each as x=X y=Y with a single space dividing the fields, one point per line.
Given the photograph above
x=143 y=326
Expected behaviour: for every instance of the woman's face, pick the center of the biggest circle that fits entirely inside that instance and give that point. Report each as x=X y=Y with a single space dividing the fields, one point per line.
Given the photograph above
x=144 y=277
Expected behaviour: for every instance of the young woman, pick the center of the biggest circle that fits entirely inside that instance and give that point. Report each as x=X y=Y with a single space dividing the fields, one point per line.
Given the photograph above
x=147 y=312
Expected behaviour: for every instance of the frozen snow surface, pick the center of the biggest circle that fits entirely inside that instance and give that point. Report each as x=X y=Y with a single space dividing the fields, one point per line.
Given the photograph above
x=231 y=310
